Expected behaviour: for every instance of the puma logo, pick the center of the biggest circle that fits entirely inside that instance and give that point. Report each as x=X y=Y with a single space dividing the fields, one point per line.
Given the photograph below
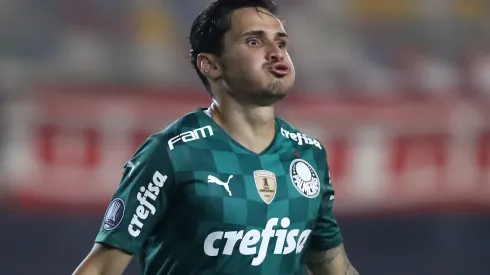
x=131 y=165
x=213 y=179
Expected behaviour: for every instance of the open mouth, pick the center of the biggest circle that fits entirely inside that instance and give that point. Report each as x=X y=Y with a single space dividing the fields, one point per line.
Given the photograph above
x=280 y=70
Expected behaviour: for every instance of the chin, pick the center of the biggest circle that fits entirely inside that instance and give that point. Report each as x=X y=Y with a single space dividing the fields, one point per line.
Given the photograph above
x=270 y=97
x=278 y=87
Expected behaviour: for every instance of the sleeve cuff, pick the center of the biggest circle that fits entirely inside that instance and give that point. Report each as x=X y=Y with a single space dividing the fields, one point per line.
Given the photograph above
x=128 y=249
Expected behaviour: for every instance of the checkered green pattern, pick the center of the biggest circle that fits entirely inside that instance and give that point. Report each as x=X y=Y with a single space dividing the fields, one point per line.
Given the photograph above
x=189 y=208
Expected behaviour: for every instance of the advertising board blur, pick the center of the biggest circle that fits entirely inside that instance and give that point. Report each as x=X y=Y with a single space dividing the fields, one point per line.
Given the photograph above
x=68 y=148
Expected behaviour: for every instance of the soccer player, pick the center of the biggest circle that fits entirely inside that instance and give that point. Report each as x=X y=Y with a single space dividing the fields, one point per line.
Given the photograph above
x=231 y=189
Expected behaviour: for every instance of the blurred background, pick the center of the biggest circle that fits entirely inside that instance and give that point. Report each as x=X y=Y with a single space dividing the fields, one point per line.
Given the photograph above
x=398 y=91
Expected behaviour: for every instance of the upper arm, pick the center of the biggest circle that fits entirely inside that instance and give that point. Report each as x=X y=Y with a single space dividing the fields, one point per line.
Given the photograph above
x=104 y=260
x=326 y=233
x=141 y=200
x=326 y=255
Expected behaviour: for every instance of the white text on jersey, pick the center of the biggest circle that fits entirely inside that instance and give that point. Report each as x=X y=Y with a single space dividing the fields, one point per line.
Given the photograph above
x=146 y=206
x=191 y=135
x=288 y=241
x=299 y=138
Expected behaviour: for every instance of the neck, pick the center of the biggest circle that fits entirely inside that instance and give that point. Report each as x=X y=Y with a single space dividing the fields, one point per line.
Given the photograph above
x=251 y=126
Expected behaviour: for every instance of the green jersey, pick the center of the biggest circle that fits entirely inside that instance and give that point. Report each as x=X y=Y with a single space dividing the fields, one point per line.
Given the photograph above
x=194 y=201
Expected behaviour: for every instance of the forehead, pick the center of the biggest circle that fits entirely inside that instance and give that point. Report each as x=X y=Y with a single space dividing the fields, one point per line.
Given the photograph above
x=248 y=19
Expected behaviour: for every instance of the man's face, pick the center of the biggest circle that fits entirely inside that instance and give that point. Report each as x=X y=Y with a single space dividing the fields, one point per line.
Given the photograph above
x=256 y=66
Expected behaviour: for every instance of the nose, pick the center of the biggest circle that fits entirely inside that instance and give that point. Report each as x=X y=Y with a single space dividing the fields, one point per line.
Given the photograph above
x=275 y=54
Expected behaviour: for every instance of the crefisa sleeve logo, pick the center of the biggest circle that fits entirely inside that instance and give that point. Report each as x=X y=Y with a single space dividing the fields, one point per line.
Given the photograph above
x=304 y=178
x=114 y=214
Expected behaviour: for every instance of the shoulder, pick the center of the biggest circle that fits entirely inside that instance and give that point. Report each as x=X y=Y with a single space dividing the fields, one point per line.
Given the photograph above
x=179 y=131
x=155 y=152
x=297 y=136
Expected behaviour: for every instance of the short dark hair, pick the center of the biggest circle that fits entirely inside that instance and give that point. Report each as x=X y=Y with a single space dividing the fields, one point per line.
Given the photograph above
x=211 y=24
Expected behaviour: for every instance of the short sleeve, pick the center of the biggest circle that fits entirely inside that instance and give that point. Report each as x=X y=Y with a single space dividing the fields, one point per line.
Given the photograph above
x=141 y=199
x=326 y=234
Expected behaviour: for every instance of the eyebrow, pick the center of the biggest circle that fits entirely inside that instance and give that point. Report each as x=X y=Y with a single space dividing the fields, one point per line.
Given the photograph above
x=262 y=33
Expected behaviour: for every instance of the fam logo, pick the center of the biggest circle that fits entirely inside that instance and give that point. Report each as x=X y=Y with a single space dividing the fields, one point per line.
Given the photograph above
x=304 y=178
x=189 y=136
